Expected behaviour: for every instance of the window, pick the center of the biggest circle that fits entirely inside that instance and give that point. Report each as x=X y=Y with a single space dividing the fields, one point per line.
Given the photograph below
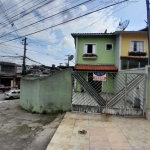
x=109 y=47
x=137 y=46
x=89 y=48
x=7 y=69
x=14 y=92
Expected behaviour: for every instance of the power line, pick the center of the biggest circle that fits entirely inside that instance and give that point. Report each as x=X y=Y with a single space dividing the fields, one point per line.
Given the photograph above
x=11 y=56
x=60 y=5
x=67 y=21
x=34 y=60
x=16 y=5
x=30 y=58
x=80 y=29
x=117 y=10
x=50 y=16
x=29 y=50
x=32 y=10
x=5 y=13
x=90 y=24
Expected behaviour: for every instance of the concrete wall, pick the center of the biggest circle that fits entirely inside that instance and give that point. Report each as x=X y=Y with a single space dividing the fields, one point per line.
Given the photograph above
x=104 y=57
x=108 y=85
x=47 y=94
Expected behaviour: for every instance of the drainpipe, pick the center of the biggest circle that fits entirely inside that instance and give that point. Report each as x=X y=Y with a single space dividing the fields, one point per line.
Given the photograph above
x=128 y=64
x=148 y=25
x=139 y=64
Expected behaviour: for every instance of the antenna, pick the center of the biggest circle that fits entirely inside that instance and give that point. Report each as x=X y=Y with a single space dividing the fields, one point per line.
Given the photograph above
x=70 y=57
x=123 y=25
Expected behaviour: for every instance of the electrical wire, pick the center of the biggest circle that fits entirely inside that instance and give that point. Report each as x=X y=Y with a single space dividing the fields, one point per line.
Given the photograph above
x=16 y=5
x=5 y=13
x=50 y=17
x=117 y=10
x=67 y=21
x=60 y=5
x=30 y=11
x=29 y=50
x=65 y=35
x=90 y=24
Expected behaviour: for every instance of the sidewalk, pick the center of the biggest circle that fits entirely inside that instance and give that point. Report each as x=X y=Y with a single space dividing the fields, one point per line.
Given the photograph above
x=103 y=132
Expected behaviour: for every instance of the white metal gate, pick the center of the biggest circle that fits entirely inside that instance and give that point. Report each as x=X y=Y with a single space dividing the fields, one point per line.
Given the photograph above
x=120 y=94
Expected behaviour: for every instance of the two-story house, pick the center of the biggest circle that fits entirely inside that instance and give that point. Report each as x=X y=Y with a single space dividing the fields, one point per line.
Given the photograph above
x=95 y=58
x=7 y=73
x=131 y=49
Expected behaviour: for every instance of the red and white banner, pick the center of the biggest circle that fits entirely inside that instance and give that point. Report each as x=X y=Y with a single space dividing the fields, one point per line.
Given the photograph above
x=99 y=76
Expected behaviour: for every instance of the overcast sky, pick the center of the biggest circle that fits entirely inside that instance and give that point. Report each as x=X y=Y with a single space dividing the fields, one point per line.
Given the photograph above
x=50 y=46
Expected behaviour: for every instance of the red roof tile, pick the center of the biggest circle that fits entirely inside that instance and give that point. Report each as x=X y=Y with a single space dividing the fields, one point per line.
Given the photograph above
x=96 y=67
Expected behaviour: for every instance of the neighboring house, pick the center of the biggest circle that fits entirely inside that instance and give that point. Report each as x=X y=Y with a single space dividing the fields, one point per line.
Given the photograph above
x=131 y=49
x=7 y=73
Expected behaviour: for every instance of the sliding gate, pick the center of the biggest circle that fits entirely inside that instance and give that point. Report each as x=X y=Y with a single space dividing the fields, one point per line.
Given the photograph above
x=111 y=93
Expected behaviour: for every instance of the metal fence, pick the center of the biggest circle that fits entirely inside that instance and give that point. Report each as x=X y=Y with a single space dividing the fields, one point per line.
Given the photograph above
x=117 y=93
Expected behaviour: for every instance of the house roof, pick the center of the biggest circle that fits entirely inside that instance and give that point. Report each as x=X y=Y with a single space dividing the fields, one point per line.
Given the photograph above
x=96 y=67
x=90 y=34
x=106 y=34
x=7 y=63
x=144 y=29
x=119 y=32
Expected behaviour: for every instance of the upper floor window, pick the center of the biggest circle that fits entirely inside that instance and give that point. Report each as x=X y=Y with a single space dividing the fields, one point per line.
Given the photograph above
x=137 y=46
x=109 y=46
x=89 y=48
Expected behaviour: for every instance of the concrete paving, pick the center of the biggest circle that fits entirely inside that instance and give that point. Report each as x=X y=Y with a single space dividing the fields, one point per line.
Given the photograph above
x=21 y=130
x=102 y=132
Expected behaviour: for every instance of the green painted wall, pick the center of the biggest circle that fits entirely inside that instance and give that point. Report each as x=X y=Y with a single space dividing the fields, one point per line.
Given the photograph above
x=47 y=94
x=78 y=85
x=108 y=85
x=104 y=57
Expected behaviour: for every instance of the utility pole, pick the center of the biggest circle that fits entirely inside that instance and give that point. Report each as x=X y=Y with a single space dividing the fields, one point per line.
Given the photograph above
x=24 y=57
x=148 y=26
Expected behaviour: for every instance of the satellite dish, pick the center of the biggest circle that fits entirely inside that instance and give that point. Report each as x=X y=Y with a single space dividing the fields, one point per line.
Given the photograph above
x=70 y=57
x=123 y=25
